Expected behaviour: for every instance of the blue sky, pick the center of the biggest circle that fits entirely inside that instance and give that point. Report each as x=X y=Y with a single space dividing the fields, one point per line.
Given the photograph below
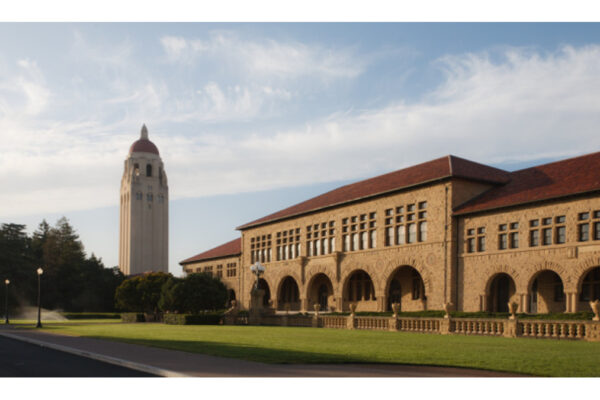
x=251 y=117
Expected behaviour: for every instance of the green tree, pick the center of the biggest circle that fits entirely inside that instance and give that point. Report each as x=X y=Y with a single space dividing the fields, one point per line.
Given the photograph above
x=193 y=294
x=141 y=293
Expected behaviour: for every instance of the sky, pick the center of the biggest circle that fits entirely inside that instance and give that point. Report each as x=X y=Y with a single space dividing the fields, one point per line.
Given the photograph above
x=250 y=118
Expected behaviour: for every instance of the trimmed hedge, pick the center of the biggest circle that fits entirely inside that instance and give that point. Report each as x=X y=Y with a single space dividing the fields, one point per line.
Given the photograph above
x=193 y=319
x=133 y=317
x=68 y=315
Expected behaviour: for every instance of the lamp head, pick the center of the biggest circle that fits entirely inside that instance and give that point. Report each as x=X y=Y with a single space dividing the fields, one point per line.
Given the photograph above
x=7 y=281
x=40 y=271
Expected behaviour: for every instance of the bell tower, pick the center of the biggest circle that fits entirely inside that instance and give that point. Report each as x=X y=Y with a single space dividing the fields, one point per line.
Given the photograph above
x=144 y=213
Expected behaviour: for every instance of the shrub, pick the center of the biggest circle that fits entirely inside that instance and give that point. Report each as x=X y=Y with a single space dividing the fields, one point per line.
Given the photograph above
x=133 y=317
x=193 y=319
x=141 y=293
x=193 y=294
x=91 y=315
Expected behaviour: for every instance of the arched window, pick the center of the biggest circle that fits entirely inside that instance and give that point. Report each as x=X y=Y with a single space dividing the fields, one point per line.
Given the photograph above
x=136 y=169
x=148 y=169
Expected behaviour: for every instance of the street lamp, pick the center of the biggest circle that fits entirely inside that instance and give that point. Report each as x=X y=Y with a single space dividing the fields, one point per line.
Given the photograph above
x=40 y=271
x=257 y=269
x=6 y=282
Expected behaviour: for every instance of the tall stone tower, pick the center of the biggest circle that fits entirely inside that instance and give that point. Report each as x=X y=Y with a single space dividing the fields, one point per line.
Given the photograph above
x=144 y=216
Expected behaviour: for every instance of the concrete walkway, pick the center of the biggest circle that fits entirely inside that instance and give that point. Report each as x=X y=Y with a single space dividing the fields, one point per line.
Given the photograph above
x=172 y=363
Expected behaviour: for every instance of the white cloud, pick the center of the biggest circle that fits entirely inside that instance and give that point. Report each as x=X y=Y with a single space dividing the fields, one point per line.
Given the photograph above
x=267 y=58
x=517 y=105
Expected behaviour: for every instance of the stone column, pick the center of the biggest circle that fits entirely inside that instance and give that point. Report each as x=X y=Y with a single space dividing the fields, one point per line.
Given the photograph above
x=304 y=305
x=382 y=302
x=350 y=320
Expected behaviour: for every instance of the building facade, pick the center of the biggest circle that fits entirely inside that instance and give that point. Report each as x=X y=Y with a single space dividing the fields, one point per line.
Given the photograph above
x=144 y=210
x=445 y=231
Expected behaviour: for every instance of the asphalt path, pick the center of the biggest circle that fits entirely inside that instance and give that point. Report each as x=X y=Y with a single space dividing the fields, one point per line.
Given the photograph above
x=20 y=359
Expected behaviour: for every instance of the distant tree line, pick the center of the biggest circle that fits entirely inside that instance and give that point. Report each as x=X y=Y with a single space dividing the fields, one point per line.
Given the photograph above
x=71 y=281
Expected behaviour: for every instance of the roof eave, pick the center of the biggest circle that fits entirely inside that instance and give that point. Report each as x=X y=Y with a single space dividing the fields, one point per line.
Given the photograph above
x=458 y=214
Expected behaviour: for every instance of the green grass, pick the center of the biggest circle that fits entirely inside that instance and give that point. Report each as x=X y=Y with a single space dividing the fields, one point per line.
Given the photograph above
x=543 y=357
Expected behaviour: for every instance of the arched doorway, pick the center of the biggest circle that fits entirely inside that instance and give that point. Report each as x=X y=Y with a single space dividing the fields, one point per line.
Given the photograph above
x=288 y=293
x=231 y=296
x=501 y=289
x=263 y=285
x=320 y=291
x=359 y=289
x=590 y=288
x=546 y=293
x=405 y=286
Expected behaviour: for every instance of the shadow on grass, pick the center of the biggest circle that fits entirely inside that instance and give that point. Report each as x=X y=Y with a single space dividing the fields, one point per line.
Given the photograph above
x=273 y=356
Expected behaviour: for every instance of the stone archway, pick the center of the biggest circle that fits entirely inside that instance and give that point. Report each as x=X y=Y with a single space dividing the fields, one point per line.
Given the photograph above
x=546 y=293
x=230 y=297
x=405 y=286
x=263 y=285
x=359 y=289
x=588 y=288
x=320 y=291
x=288 y=293
x=500 y=290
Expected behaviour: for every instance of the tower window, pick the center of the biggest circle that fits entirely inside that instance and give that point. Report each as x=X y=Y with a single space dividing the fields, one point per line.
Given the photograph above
x=148 y=169
x=136 y=169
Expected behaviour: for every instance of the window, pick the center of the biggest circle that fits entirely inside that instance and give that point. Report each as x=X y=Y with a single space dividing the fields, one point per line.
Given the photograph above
x=422 y=231
x=502 y=241
x=260 y=248
x=363 y=236
x=471 y=245
x=231 y=270
x=286 y=244
x=509 y=236
x=412 y=233
x=148 y=169
x=398 y=232
x=547 y=236
x=585 y=223
x=220 y=271
x=475 y=237
x=534 y=238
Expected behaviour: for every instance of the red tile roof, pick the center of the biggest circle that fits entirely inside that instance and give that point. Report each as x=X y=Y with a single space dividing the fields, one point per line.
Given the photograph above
x=444 y=167
x=228 y=249
x=544 y=182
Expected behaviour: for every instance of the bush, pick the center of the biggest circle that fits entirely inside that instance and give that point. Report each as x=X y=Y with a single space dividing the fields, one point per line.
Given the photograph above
x=193 y=319
x=141 y=293
x=91 y=315
x=133 y=317
x=193 y=294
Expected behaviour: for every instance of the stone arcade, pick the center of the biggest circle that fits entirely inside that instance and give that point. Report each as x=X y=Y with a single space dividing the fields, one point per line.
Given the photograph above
x=445 y=231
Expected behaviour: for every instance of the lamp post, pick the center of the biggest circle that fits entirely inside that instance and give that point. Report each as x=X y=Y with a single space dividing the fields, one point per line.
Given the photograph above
x=257 y=269
x=40 y=271
x=6 y=282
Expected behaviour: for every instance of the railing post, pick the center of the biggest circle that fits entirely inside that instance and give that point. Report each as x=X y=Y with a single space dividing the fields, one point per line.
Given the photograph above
x=351 y=318
x=393 y=324
x=315 y=318
x=510 y=326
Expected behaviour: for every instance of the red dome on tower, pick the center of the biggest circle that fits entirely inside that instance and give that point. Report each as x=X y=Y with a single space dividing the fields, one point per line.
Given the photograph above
x=143 y=145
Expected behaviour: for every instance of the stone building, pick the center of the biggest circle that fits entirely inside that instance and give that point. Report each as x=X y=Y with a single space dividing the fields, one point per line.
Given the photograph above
x=144 y=212
x=445 y=231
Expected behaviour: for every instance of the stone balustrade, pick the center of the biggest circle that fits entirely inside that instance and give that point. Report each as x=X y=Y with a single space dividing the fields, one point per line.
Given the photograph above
x=551 y=329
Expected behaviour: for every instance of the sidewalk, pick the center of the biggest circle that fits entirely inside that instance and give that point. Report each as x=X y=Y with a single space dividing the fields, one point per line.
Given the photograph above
x=172 y=363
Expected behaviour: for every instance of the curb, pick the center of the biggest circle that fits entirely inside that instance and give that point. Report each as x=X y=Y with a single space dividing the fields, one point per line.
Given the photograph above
x=100 y=357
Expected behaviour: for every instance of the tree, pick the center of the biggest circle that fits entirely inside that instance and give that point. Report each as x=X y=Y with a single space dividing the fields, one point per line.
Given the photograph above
x=141 y=293
x=193 y=294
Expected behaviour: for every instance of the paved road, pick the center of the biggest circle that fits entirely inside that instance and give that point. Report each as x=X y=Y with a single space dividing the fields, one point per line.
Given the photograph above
x=177 y=363
x=20 y=359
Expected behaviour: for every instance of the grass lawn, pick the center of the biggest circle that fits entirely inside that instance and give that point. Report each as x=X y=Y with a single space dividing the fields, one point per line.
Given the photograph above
x=543 y=357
